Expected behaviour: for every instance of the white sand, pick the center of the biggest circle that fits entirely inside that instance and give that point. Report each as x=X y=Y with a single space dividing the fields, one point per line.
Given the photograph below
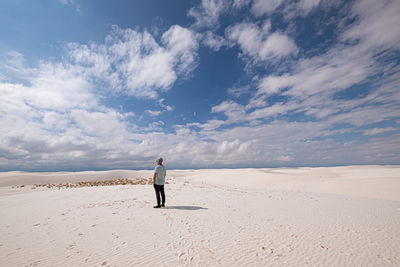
x=339 y=216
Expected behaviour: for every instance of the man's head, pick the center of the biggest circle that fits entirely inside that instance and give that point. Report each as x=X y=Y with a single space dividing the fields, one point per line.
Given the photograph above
x=159 y=161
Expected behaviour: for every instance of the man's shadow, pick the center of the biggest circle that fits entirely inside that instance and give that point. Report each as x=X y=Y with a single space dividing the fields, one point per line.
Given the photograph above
x=185 y=208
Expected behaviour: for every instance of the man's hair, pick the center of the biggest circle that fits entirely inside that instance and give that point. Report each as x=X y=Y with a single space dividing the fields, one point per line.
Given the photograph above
x=160 y=160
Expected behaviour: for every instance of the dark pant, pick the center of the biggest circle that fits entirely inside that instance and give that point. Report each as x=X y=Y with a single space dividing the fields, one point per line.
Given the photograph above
x=159 y=190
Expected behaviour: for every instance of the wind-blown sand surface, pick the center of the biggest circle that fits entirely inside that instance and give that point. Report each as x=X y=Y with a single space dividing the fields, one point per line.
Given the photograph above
x=337 y=216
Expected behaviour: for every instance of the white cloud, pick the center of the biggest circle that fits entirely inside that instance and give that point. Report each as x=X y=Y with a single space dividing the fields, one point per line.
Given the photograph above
x=240 y=3
x=300 y=9
x=213 y=41
x=270 y=112
x=181 y=43
x=155 y=126
x=278 y=45
x=259 y=44
x=55 y=116
x=237 y=113
x=55 y=120
x=375 y=24
x=274 y=84
x=59 y=87
x=375 y=131
x=313 y=83
x=237 y=91
x=234 y=111
x=210 y=125
x=285 y=158
x=153 y=113
x=307 y=5
x=134 y=63
x=228 y=147
x=311 y=88
x=262 y=7
x=247 y=35
x=93 y=135
x=12 y=66
x=340 y=68
x=98 y=123
x=164 y=106
x=207 y=14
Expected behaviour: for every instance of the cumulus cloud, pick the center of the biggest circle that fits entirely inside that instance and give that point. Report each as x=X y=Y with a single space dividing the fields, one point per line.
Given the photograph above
x=312 y=88
x=259 y=43
x=54 y=116
x=57 y=119
x=277 y=45
x=135 y=64
x=182 y=45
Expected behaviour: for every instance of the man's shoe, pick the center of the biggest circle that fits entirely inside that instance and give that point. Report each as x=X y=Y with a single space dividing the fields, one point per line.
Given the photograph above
x=162 y=206
x=157 y=207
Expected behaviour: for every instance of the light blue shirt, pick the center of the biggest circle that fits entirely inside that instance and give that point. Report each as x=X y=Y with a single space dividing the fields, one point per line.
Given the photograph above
x=161 y=172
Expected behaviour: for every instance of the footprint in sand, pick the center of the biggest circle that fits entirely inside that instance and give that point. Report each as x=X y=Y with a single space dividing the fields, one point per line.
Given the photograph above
x=34 y=263
x=115 y=235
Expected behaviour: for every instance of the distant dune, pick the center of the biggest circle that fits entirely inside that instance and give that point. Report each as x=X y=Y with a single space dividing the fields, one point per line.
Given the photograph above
x=370 y=181
x=336 y=216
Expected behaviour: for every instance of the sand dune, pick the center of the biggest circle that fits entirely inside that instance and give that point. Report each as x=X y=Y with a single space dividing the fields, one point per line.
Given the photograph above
x=342 y=216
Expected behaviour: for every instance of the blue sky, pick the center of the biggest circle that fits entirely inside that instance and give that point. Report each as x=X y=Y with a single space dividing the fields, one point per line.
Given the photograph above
x=205 y=84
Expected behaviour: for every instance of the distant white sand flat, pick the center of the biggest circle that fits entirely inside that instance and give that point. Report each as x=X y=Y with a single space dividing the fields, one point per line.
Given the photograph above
x=381 y=182
x=212 y=218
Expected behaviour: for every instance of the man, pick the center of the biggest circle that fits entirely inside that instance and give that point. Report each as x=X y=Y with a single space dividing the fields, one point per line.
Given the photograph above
x=158 y=182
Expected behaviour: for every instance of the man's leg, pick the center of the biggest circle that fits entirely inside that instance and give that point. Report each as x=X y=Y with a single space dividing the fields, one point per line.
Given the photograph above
x=157 y=189
x=162 y=194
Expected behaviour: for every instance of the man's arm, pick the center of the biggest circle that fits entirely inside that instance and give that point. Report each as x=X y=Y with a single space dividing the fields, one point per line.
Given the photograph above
x=154 y=178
